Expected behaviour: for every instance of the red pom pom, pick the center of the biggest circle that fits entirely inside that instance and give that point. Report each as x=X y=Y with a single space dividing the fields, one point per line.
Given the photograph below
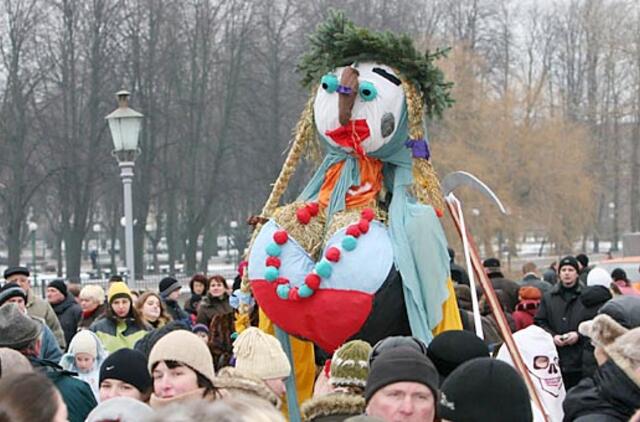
x=333 y=254
x=439 y=213
x=282 y=280
x=353 y=230
x=273 y=261
x=293 y=294
x=363 y=225
x=312 y=281
x=368 y=214
x=313 y=208
x=303 y=216
x=280 y=237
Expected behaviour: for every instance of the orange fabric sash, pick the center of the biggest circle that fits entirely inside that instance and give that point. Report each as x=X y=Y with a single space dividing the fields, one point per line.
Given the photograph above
x=370 y=173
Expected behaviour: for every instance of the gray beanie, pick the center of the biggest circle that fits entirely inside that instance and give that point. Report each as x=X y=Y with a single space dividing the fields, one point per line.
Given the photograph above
x=17 y=330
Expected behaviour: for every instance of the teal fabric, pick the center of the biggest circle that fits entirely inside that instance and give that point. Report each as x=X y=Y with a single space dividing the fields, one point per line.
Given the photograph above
x=290 y=382
x=419 y=243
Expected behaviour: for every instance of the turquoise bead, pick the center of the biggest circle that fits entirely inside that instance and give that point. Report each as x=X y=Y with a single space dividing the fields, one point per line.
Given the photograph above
x=323 y=269
x=283 y=291
x=305 y=291
x=273 y=249
x=349 y=243
x=271 y=273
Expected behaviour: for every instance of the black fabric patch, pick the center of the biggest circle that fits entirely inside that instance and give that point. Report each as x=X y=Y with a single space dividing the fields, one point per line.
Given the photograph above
x=388 y=76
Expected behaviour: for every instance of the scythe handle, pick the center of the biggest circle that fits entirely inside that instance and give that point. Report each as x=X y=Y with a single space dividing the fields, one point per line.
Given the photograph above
x=494 y=304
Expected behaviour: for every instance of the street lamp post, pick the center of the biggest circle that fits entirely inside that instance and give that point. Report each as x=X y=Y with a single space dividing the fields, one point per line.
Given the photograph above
x=233 y=225
x=97 y=229
x=33 y=226
x=125 y=125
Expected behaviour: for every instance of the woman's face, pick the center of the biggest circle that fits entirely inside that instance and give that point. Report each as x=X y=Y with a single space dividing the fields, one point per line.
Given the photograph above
x=110 y=388
x=171 y=382
x=121 y=306
x=198 y=288
x=216 y=288
x=88 y=304
x=151 y=309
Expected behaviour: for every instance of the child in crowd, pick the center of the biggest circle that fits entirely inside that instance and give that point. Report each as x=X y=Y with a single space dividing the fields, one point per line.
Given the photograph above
x=201 y=331
x=85 y=356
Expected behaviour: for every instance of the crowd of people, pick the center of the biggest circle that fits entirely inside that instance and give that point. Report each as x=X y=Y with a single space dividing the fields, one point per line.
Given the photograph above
x=90 y=355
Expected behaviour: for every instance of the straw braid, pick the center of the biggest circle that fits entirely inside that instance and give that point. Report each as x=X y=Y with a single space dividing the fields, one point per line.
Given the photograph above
x=426 y=186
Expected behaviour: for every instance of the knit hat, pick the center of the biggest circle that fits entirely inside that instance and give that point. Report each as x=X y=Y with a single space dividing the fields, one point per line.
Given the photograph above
x=491 y=263
x=60 y=286
x=625 y=353
x=602 y=330
x=350 y=364
x=117 y=290
x=10 y=290
x=260 y=354
x=599 y=277
x=583 y=259
x=122 y=409
x=200 y=328
x=84 y=342
x=94 y=292
x=625 y=310
x=13 y=362
x=16 y=270
x=529 y=293
x=129 y=366
x=401 y=364
x=568 y=260
x=17 y=330
x=168 y=285
x=485 y=389
x=186 y=348
x=451 y=349
x=619 y=274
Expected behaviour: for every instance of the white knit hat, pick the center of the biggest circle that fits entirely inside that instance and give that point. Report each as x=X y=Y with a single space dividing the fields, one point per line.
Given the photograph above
x=260 y=354
x=84 y=342
x=185 y=347
x=599 y=277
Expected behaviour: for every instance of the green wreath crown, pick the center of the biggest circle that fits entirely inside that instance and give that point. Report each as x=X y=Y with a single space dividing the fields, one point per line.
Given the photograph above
x=339 y=42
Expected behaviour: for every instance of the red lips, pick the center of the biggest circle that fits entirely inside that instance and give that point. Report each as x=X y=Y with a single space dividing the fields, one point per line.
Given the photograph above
x=351 y=135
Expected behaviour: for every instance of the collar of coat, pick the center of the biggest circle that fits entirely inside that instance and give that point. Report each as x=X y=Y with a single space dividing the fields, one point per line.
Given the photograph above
x=332 y=404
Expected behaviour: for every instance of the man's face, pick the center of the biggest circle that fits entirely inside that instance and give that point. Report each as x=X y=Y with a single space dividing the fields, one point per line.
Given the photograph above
x=22 y=280
x=568 y=276
x=403 y=402
x=20 y=302
x=54 y=296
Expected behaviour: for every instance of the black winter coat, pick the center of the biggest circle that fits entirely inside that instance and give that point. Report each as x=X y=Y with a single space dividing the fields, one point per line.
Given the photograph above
x=69 y=314
x=609 y=396
x=509 y=288
x=592 y=297
x=562 y=311
x=176 y=312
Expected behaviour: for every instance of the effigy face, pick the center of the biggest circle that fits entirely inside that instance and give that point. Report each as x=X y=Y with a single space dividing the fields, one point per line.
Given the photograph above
x=379 y=99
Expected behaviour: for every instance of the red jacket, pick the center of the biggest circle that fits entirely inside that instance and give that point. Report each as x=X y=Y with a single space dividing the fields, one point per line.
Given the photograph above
x=525 y=311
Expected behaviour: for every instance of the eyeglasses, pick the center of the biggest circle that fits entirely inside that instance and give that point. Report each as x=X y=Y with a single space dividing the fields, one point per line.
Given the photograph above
x=394 y=342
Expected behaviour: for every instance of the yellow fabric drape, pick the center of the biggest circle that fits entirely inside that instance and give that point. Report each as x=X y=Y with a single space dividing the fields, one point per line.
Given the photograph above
x=450 y=313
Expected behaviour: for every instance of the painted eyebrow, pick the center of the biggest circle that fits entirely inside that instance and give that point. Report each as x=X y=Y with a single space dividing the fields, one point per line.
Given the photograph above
x=388 y=76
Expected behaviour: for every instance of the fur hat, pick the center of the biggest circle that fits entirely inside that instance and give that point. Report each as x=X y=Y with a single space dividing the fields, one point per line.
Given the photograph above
x=625 y=352
x=10 y=290
x=13 y=362
x=119 y=289
x=260 y=354
x=186 y=348
x=17 y=330
x=338 y=405
x=93 y=292
x=84 y=342
x=350 y=364
x=602 y=330
x=15 y=270
x=235 y=381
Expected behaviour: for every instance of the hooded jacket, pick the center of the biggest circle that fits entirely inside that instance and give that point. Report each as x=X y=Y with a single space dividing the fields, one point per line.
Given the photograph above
x=39 y=308
x=211 y=306
x=609 y=396
x=68 y=362
x=69 y=314
x=332 y=407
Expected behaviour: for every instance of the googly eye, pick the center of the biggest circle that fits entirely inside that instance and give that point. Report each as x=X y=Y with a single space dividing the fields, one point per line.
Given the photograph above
x=329 y=83
x=367 y=91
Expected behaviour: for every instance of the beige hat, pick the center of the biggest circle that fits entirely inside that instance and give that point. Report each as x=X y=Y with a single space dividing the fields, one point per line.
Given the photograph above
x=13 y=362
x=84 y=342
x=185 y=347
x=260 y=354
x=625 y=352
x=602 y=330
x=235 y=382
